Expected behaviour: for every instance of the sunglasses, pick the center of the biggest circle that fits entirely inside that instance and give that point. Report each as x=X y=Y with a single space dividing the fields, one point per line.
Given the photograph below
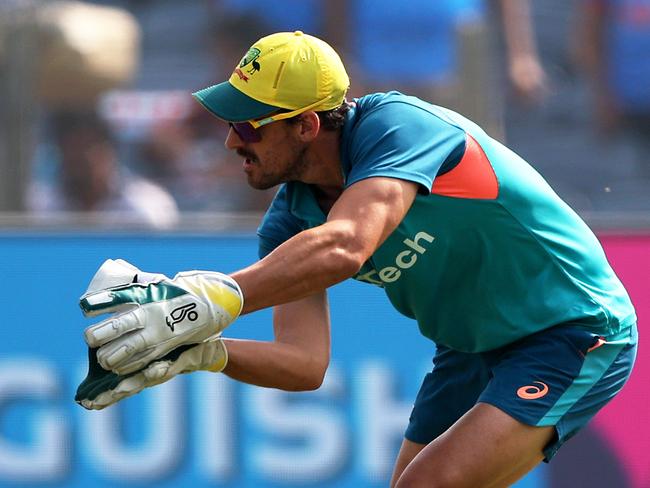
x=246 y=132
x=249 y=131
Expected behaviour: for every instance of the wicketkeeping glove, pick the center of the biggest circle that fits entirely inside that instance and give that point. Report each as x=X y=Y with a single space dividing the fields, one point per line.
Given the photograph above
x=154 y=314
x=102 y=388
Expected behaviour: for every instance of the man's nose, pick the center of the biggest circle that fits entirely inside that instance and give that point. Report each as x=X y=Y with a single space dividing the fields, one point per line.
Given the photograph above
x=233 y=141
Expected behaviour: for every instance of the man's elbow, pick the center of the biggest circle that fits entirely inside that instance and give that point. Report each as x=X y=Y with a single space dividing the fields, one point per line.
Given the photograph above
x=346 y=263
x=347 y=255
x=309 y=381
x=310 y=384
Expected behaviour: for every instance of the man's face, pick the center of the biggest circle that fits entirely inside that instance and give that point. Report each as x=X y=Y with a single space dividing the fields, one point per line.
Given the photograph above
x=88 y=164
x=277 y=158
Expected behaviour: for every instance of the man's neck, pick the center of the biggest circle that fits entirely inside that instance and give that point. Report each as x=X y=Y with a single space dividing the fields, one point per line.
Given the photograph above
x=324 y=156
x=326 y=197
x=325 y=171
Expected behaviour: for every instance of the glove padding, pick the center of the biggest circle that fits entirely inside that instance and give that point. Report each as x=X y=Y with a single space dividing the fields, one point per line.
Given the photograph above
x=102 y=388
x=155 y=314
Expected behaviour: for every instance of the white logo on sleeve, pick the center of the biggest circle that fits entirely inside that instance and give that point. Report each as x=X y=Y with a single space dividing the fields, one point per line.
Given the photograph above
x=404 y=260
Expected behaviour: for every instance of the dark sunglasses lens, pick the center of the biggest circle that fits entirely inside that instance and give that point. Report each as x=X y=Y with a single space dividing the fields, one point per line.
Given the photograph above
x=246 y=132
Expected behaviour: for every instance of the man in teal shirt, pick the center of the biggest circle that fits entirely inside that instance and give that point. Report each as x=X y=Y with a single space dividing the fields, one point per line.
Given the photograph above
x=534 y=332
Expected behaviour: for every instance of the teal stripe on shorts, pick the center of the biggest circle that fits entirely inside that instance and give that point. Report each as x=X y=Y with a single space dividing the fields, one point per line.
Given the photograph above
x=597 y=363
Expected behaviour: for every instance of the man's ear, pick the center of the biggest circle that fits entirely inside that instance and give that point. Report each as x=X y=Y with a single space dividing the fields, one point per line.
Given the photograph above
x=309 y=126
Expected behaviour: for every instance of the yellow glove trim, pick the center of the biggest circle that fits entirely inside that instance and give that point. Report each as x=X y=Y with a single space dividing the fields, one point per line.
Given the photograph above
x=218 y=293
x=222 y=296
x=220 y=365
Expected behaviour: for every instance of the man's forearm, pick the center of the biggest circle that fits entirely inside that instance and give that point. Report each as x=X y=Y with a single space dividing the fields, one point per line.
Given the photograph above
x=307 y=263
x=273 y=365
x=517 y=25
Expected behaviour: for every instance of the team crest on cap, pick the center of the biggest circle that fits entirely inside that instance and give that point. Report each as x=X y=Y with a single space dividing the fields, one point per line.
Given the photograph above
x=251 y=58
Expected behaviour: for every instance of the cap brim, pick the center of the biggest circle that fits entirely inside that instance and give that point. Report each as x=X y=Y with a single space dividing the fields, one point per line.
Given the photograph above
x=229 y=104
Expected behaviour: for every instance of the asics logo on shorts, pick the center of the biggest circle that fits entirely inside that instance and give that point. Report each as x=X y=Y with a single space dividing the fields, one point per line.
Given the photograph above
x=534 y=391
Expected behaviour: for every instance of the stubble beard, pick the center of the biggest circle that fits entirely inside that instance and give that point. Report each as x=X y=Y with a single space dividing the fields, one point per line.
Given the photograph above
x=292 y=172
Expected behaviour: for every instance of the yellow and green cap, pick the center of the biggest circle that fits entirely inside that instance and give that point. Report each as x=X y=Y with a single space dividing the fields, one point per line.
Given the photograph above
x=287 y=70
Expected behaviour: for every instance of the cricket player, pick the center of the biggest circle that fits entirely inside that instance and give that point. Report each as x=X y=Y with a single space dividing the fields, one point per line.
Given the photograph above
x=534 y=331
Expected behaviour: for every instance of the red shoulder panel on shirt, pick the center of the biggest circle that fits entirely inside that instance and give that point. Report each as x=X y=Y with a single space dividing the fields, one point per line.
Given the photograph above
x=473 y=176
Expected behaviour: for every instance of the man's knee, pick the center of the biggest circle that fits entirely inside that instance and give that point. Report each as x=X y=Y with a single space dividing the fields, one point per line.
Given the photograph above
x=448 y=477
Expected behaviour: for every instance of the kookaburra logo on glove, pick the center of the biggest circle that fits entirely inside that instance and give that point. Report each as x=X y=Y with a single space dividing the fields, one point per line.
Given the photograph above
x=178 y=315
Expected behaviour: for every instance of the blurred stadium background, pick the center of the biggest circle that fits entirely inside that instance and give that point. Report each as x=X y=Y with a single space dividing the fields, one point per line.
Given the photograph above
x=103 y=153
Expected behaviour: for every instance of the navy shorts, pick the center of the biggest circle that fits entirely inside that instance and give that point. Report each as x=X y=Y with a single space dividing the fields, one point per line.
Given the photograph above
x=558 y=377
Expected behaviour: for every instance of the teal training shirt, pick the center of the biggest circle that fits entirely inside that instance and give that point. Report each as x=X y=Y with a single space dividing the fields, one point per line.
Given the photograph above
x=487 y=254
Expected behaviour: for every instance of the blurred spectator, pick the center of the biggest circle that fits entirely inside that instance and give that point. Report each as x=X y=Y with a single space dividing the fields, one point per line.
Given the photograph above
x=417 y=42
x=90 y=179
x=188 y=158
x=449 y=52
x=613 y=47
x=227 y=32
x=305 y=15
x=187 y=155
x=169 y=156
x=525 y=71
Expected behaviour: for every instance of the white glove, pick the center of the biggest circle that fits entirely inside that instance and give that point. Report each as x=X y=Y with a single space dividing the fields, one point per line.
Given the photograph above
x=102 y=388
x=155 y=314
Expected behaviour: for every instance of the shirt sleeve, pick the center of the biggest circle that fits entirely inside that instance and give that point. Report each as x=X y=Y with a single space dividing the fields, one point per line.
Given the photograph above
x=278 y=224
x=405 y=141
